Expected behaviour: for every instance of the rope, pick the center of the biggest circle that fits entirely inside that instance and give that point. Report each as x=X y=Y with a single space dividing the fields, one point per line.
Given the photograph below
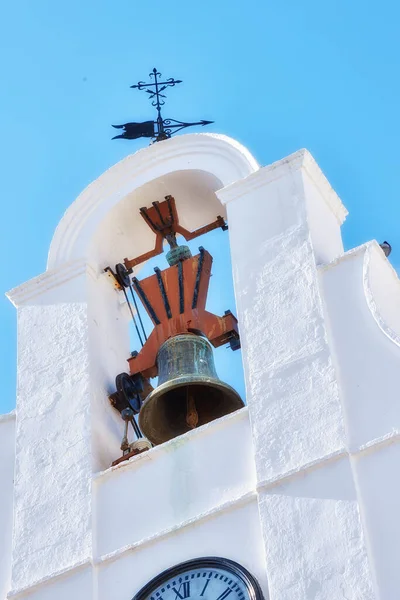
x=133 y=316
x=137 y=311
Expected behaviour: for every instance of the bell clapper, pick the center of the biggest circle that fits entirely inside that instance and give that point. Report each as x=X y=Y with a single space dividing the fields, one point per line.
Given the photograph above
x=192 y=416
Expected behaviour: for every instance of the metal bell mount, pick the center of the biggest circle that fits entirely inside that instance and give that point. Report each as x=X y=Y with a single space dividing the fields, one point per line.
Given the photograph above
x=179 y=348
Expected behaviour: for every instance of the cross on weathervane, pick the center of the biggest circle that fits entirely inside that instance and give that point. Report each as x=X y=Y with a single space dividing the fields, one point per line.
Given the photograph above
x=160 y=129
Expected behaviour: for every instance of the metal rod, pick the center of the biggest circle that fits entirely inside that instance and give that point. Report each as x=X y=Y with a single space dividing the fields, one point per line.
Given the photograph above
x=198 y=277
x=136 y=429
x=182 y=124
x=163 y=292
x=171 y=214
x=142 y=86
x=133 y=316
x=125 y=443
x=160 y=123
x=137 y=311
x=155 y=204
x=146 y=301
x=181 y=288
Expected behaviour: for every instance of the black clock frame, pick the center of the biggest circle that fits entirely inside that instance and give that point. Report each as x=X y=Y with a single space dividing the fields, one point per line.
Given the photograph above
x=209 y=562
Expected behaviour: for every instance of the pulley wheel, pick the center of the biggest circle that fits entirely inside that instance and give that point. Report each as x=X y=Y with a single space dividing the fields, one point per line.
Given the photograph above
x=122 y=275
x=126 y=386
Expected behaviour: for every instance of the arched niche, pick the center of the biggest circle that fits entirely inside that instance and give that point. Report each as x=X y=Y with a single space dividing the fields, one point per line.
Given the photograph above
x=103 y=226
x=124 y=234
x=194 y=165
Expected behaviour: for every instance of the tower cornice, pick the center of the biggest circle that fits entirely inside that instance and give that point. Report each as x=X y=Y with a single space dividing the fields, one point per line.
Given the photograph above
x=302 y=159
x=32 y=289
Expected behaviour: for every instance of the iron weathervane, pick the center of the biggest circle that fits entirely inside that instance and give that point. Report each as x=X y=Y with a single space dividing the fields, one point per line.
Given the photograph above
x=161 y=129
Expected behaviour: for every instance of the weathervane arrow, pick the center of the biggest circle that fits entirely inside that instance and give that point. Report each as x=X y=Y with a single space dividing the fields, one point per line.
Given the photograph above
x=161 y=129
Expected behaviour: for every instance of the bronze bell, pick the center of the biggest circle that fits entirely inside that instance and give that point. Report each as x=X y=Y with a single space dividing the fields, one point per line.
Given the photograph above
x=189 y=393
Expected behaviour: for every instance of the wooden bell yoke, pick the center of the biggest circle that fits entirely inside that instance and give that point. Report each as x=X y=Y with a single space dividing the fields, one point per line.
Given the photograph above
x=175 y=298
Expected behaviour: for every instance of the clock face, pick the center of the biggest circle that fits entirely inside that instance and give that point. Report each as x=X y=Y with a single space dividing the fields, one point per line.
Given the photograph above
x=203 y=579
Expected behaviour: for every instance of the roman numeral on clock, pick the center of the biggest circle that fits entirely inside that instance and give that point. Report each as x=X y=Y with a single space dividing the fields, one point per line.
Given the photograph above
x=205 y=587
x=225 y=594
x=183 y=591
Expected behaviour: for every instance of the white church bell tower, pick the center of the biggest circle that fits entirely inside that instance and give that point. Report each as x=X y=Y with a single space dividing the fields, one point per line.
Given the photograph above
x=289 y=493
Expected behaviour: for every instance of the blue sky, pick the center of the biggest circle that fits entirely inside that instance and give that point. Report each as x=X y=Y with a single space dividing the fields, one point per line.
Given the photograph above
x=277 y=76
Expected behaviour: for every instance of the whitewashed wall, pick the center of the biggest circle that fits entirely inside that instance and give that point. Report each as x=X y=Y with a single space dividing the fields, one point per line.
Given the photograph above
x=362 y=295
x=285 y=486
x=7 y=459
x=309 y=510
x=193 y=496
x=174 y=483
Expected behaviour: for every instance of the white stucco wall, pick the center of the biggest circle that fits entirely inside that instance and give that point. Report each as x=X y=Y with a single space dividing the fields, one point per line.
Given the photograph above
x=309 y=509
x=7 y=454
x=291 y=384
x=233 y=533
x=362 y=296
x=52 y=499
x=361 y=293
x=314 y=538
x=285 y=486
x=193 y=496
x=174 y=483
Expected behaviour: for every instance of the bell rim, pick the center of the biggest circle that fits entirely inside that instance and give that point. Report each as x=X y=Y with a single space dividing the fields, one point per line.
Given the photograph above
x=186 y=380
